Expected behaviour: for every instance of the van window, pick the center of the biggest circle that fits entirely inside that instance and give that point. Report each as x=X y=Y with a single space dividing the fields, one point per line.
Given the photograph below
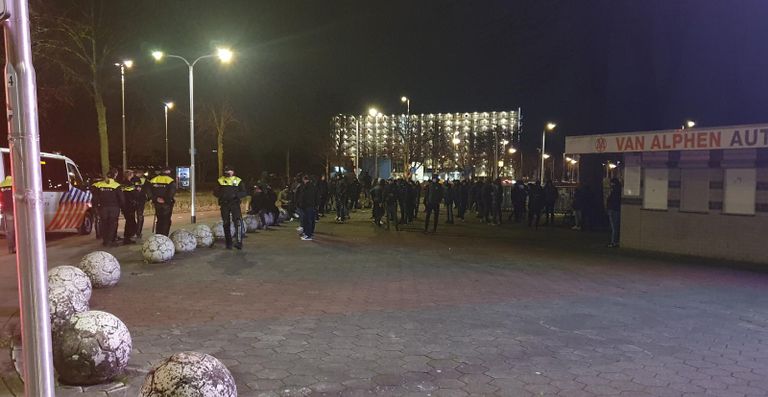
x=74 y=176
x=54 y=175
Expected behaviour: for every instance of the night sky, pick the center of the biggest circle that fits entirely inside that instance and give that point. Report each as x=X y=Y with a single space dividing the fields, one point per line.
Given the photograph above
x=590 y=66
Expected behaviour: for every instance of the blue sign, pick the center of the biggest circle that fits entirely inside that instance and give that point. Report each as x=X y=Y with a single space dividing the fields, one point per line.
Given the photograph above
x=182 y=177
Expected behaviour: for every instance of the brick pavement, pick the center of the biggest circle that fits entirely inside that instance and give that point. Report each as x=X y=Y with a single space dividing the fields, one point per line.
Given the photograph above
x=473 y=310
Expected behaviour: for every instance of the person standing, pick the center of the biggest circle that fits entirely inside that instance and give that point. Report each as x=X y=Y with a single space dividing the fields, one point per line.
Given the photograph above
x=578 y=205
x=377 y=197
x=497 y=199
x=130 y=206
x=308 y=205
x=108 y=198
x=535 y=203
x=450 y=193
x=486 y=196
x=163 y=190
x=550 y=198
x=230 y=189
x=613 y=205
x=462 y=190
x=433 y=196
x=6 y=190
x=390 y=201
x=342 y=213
x=140 y=183
x=518 y=201
x=322 y=191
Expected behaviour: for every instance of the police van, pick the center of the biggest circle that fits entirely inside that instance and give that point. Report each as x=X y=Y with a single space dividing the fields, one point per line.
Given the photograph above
x=66 y=198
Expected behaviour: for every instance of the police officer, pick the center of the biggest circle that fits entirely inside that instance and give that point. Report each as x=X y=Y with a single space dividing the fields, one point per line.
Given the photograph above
x=133 y=195
x=108 y=199
x=140 y=185
x=6 y=190
x=230 y=189
x=163 y=190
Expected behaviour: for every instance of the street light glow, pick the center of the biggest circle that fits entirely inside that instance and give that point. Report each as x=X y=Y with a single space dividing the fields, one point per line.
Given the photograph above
x=551 y=126
x=404 y=99
x=456 y=141
x=690 y=123
x=501 y=163
x=546 y=156
x=512 y=150
x=158 y=55
x=169 y=105
x=373 y=112
x=128 y=63
x=611 y=165
x=225 y=55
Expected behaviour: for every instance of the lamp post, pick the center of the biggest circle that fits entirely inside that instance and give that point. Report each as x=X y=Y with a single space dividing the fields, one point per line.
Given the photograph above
x=406 y=136
x=549 y=127
x=375 y=114
x=167 y=106
x=689 y=124
x=225 y=56
x=126 y=64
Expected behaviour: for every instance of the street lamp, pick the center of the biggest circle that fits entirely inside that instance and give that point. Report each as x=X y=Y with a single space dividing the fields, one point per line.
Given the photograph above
x=375 y=114
x=406 y=137
x=689 y=124
x=548 y=127
x=225 y=56
x=167 y=106
x=126 y=64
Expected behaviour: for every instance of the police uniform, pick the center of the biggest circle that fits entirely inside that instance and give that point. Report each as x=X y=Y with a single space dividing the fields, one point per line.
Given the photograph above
x=135 y=198
x=163 y=189
x=6 y=191
x=108 y=198
x=230 y=190
x=140 y=184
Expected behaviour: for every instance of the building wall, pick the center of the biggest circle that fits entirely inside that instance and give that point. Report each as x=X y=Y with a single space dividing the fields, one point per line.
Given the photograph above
x=709 y=233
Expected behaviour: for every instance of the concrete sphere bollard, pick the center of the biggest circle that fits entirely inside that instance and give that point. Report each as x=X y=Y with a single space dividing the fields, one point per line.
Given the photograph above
x=252 y=223
x=70 y=275
x=189 y=374
x=64 y=301
x=203 y=235
x=218 y=230
x=92 y=348
x=183 y=241
x=158 y=249
x=102 y=268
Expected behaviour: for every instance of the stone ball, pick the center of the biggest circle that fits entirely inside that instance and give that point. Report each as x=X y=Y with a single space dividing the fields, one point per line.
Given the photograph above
x=102 y=268
x=64 y=301
x=183 y=241
x=269 y=219
x=218 y=229
x=158 y=249
x=203 y=235
x=70 y=275
x=252 y=223
x=93 y=347
x=283 y=216
x=189 y=374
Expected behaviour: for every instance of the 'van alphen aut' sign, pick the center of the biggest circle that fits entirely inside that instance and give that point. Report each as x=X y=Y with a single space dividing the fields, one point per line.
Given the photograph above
x=734 y=137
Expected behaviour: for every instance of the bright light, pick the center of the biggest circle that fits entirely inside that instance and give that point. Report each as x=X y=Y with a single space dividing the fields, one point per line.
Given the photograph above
x=373 y=112
x=512 y=150
x=551 y=126
x=169 y=105
x=158 y=55
x=456 y=141
x=504 y=142
x=611 y=165
x=574 y=161
x=225 y=55
x=546 y=156
x=404 y=99
x=568 y=159
x=501 y=163
x=690 y=123
x=128 y=63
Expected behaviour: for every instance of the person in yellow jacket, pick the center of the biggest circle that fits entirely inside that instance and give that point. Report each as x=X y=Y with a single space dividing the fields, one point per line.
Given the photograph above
x=6 y=201
x=230 y=189
x=109 y=199
x=163 y=192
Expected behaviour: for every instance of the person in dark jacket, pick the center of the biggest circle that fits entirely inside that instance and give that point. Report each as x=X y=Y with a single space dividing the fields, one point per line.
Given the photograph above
x=519 y=195
x=134 y=197
x=411 y=201
x=535 y=203
x=433 y=196
x=308 y=204
x=486 y=193
x=108 y=198
x=322 y=192
x=497 y=197
x=550 y=198
x=6 y=190
x=450 y=193
x=377 y=197
x=163 y=191
x=417 y=199
x=578 y=205
x=402 y=200
x=613 y=205
x=230 y=189
x=390 y=203
x=462 y=190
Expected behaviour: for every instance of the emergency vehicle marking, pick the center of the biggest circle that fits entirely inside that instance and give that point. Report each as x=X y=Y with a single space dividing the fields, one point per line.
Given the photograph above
x=72 y=208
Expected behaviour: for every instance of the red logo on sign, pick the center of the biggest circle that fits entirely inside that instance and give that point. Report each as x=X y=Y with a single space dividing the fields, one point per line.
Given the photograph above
x=601 y=145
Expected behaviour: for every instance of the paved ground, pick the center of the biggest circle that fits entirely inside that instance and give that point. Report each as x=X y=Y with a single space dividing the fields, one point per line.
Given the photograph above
x=471 y=310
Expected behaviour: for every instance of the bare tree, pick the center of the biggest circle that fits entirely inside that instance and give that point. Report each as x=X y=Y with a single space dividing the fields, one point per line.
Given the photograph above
x=75 y=40
x=219 y=118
